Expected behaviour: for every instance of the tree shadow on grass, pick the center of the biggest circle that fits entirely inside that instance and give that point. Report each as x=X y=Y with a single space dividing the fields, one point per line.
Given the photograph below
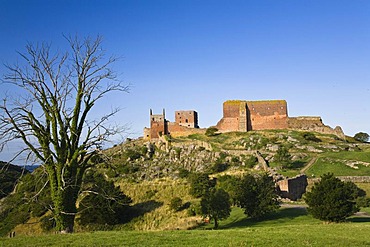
x=360 y=217
x=139 y=209
x=283 y=214
x=298 y=164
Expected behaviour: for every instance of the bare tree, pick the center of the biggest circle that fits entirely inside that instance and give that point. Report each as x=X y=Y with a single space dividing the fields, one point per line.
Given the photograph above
x=51 y=115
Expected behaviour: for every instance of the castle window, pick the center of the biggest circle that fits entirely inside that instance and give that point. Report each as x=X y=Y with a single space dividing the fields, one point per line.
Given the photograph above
x=186 y=120
x=153 y=119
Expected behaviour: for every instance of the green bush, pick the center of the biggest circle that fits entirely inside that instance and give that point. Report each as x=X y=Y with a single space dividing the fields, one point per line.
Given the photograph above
x=194 y=209
x=333 y=200
x=361 y=137
x=250 y=161
x=256 y=195
x=211 y=131
x=219 y=167
x=47 y=223
x=308 y=136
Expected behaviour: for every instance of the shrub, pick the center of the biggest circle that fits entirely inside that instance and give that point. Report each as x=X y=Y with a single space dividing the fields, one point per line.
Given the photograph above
x=219 y=167
x=251 y=161
x=256 y=195
x=361 y=137
x=211 y=131
x=333 y=200
x=308 y=136
x=47 y=223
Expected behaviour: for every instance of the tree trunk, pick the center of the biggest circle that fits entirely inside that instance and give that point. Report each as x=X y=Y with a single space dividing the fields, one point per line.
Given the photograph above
x=65 y=210
x=64 y=196
x=216 y=222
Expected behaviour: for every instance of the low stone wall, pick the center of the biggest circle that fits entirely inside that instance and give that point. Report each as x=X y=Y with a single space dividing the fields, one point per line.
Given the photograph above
x=354 y=179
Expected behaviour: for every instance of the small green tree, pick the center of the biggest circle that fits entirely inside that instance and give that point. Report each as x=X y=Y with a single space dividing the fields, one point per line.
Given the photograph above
x=333 y=200
x=211 y=131
x=257 y=195
x=361 y=137
x=216 y=205
x=200 y=184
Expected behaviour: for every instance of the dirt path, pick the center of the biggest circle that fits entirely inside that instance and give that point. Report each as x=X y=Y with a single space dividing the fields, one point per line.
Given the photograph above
x=312 y=161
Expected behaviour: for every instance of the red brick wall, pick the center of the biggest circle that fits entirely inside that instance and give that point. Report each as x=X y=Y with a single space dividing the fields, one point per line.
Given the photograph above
x=187 y=118
x=267 y=115
x=242 y=115
x=158 y=125
x=232 y=113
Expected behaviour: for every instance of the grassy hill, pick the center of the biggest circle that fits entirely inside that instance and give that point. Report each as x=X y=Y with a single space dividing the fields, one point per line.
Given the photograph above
x=154 y=173
x=9 y=174
x=287 y=227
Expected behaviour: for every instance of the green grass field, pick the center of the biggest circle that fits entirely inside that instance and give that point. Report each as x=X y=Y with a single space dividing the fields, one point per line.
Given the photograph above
x=335 y=163
x=287 y=227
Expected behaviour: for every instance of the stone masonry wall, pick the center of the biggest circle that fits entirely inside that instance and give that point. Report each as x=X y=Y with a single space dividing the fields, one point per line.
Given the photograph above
x=267 y=115
x=239 y=115
x=187 y=118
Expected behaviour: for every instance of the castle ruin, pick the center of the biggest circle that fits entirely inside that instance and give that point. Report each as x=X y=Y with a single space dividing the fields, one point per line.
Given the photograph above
x=239 y=115
x=186 y=122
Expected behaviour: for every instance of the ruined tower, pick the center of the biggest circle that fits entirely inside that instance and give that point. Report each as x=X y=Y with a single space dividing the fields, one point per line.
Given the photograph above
x=158 y=124
x=187 y=118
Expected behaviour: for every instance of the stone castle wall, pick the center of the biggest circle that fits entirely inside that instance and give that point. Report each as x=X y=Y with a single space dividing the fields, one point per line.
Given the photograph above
x=157 y=126
x=314 y=124
x=186 y=123
x=240 y=115
x=267 y=114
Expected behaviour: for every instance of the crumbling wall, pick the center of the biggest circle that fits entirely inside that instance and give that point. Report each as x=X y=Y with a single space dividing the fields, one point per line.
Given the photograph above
x=293 y=188
x=314 y=124
x=158 y=125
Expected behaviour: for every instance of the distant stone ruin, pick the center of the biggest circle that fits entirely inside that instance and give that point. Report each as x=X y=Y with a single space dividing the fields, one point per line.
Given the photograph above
x=293 y=188
x=186 y=123
x=239 y=115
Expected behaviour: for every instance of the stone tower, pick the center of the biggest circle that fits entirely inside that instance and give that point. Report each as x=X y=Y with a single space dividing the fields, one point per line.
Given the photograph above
x=187 y=118
x=158 y=125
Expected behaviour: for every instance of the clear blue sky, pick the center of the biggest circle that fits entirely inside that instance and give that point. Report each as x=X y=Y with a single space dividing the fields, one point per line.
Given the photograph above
x=194 y=55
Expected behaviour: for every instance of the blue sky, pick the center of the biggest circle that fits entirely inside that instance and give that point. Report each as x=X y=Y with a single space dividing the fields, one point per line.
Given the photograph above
x=194 y=55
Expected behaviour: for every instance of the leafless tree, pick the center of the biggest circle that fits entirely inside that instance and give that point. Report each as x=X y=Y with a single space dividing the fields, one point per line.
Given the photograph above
x=51 y=114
